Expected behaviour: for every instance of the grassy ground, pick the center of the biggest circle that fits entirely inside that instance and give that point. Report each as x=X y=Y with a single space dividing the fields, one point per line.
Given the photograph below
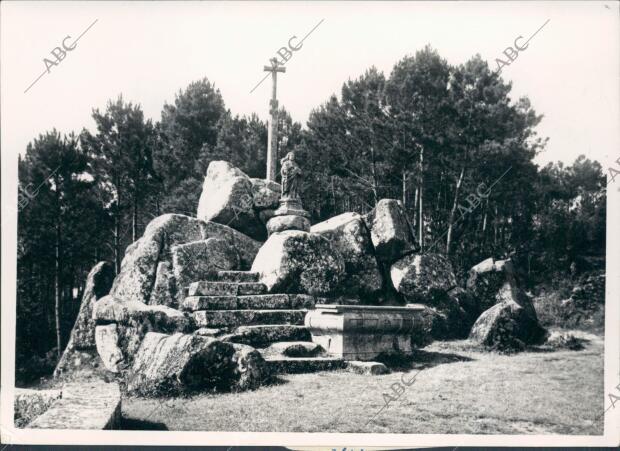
x=458 y=390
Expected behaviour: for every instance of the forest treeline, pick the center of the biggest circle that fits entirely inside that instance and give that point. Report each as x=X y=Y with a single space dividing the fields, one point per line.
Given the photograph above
x=433 y=135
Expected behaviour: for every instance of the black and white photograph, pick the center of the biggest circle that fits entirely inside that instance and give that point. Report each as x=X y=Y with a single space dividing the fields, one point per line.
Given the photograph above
x=349 y=225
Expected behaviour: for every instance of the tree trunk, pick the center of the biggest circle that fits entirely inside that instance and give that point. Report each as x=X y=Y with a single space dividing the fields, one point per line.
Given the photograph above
x=373 y=169
x=404 y=189
x=453 y=210
x=134 y=218
x=117 y=245
x=57 y=288
x=421 y=216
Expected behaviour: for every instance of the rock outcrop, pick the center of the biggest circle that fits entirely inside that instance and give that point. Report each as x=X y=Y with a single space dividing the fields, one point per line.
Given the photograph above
x=228 y=198
x=511 y=323
x=419 y=277
x=200 y=260
x=138 y=278
x=299 y=262
x=349 y=236
x=391 y=234
x=79 y=358
x=122 y=326
x=173 y=364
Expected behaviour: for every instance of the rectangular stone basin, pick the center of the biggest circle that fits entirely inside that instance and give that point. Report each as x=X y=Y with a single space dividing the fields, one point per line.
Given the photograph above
x=354 y=332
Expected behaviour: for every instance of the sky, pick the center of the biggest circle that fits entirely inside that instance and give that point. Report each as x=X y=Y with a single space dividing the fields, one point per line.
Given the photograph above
x=148 y=51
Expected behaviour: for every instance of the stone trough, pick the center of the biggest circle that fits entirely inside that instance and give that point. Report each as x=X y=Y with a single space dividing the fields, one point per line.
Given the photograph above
x=356 y=332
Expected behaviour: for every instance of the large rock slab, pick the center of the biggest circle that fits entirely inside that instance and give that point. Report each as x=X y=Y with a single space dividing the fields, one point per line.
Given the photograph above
x=391 y=234
x=30 y=404
x=201 y=260
x=261 y=336
x=227 y=198
x=419 y=277
x=299 y=262
x=78 y=355
x=172 y=364
x=87 y=405
x=349 y=235
x=287 y=222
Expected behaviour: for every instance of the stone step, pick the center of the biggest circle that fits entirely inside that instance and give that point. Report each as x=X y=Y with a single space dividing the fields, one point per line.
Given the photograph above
x=194 y=303
x=234 y=318
x=237 y=276
x=262 y=336
x=264 y=301
x=209 y=288
x=293 y=365
x=248 y=302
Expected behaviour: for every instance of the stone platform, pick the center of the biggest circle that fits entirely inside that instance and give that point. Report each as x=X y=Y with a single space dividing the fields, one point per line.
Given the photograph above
x=363 y=332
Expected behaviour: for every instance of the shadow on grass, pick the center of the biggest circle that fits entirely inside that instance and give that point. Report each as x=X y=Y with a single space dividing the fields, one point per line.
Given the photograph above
x=420 y=360
x=134 y=424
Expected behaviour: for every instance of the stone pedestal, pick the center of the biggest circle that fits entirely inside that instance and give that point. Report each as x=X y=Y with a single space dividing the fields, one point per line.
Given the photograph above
x=356 y=332
x=290 y=215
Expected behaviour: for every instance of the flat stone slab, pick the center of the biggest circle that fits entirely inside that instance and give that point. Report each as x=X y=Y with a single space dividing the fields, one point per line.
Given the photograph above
x=291 y=365
x=237 y=276
x=294 y=349
x=87 y=405
x=262 y=336
x=368 y=368
x=30 y=404
x=209 y=288
x=234 y=318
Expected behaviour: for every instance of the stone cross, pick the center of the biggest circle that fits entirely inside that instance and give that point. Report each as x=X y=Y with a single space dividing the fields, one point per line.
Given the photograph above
x=272 y=139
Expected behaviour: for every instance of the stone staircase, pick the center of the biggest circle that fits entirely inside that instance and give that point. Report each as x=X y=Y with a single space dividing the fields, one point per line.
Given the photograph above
x=234 y=307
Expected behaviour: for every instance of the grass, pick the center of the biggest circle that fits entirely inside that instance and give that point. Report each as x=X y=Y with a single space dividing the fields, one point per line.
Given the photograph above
x=459 y=389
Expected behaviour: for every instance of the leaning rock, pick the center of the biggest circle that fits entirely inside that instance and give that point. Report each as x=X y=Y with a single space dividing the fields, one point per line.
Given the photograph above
x=349 y=235
x=390 y=231
x=251 y=370
x=76 y=355
x=200 y=260
x=227 y=198
x=299 y=262
x=172 y=364
x=265 y=194
x=419 y=277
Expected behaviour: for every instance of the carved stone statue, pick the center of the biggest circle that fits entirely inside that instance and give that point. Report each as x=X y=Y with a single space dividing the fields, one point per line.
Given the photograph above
x=291 y=175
